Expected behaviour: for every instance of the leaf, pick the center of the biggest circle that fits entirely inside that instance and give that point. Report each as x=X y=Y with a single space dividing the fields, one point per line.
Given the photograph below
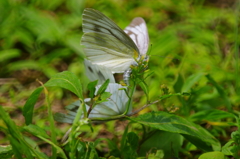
x=35 y=130
x=221 y=91
x=172 y=123
x=8 y=54
x=179 y=83
x=6 y=151
x=169 y=142
x=158 y=155
x=19 y=145
x=169 y=95
x=25 y=64
x=68 y=81
x=103 y=87
x=229 y=148
x=17 y=148
x=129 y=147
x=104 y=97
x=191 y=81
x=212 y=155
x=211 y=115
x=92 y=88
x=144 y=87
x=133 y=139
x=198 y=142
x=29 y=105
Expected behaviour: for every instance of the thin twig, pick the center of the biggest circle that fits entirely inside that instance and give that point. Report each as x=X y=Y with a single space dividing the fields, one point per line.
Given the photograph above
x=149 y=104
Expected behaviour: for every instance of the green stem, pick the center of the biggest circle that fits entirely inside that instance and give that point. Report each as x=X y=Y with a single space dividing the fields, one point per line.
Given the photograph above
x=130 y=97
x=72 y=141
x=61 y=152
x=53 y=134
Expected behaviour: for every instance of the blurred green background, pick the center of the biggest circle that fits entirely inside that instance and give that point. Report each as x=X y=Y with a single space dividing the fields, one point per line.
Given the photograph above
x=189 y=39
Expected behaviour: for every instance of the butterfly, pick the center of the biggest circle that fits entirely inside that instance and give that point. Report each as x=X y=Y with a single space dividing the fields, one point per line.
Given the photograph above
x=108 y=45
x=115 y=105
x=98 y=72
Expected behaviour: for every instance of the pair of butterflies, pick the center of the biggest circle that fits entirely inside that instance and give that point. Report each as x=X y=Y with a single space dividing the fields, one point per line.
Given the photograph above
x=109 y=50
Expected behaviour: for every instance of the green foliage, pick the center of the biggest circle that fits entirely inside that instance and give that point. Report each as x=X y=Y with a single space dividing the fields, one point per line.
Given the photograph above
x=191 y=99
x=29 y=105
x=169 y=143
x=68 y=81
x=171 y=123
x=92 y=88
x=212 y=155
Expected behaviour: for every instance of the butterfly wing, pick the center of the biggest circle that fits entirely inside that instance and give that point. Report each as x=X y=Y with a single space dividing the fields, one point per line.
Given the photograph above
x=115 y=105
x=105 y=43
x=98 y=72
x=103 y=49
x=137 y=31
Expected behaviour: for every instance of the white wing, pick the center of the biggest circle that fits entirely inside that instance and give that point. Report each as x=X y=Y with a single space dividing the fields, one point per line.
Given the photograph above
x=98 y=72
x=105 y=43
x=137 y=31
x=115 y=105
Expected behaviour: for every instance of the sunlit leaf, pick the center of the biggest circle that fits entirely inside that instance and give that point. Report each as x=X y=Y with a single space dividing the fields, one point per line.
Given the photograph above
x=176 y=124
x=29 y=105
x=191 y=80
x=35 y=130
x=103 y=87
x=92 y=88
x=68 y=81
x=212 y=155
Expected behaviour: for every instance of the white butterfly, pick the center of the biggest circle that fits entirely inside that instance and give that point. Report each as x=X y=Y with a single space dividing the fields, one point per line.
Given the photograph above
x=116 y=105
x=98 y=72
x=108 y=45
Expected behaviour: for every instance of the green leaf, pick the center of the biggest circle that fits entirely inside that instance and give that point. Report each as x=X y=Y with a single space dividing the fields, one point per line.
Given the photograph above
x=17 y=149
x=124 y=138
x=144 y=87
x=221 y=91
x=191 y=81
x=103 y=87
x=35 y=130
x=179 y=83
x=25 y=64
x=92 y=88
x=104 y=97
x=169 y=142
x=198 y=142
x=132 y=139
x=212 y=155
x=6 y=151
x=19 y=145
x=29 y=105
x=211 y=115
x=172 y=123
x=170 y=95
x=158 y=155
x=68 y=81
x=8 y=54
x=229 y=148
